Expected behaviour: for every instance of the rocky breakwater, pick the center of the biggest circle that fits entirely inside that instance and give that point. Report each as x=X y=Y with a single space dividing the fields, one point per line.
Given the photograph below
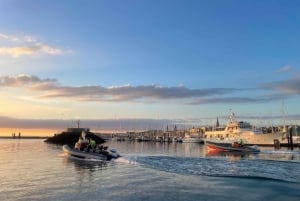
x=71 y=136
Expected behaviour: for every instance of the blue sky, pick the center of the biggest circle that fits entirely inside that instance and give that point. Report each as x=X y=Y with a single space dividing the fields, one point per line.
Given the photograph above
x=153 y=59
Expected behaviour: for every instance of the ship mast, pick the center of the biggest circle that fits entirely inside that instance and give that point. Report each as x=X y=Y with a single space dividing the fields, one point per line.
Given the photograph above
x=232 y=117
x=283 y=115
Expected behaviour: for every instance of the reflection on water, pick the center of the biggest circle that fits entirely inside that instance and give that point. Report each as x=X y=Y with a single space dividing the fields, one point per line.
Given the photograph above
x=88 y=164
x=196 y=159
x=280 y=157
x=157 y=148
x=230 y=154
x=199 y=150
x=131 y=151
x=263 y=155
x=146 y=171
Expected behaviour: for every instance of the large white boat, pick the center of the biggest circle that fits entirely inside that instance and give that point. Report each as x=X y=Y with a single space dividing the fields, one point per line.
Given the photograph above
x=241 y=130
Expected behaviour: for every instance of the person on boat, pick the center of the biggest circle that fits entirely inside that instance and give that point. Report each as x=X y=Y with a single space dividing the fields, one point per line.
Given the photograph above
x=88 y=146
x=235 y=144
x=82 y=142
x=241 y=142
x=93 y=143
x=77 y=145
x=99 y=148
x=104 y=151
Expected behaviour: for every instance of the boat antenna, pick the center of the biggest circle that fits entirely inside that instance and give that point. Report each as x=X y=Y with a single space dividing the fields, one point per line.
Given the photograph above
x=283 y=115
x=232 y=117
x=217 y=124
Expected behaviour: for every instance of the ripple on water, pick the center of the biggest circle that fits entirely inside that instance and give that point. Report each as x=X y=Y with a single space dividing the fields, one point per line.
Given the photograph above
x=222 y=167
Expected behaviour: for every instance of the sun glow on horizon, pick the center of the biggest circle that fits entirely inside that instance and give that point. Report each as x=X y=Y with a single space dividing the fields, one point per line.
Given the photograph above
x=25 y=132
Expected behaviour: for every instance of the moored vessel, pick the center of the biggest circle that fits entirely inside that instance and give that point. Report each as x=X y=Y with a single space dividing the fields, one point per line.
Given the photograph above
x=235 y=146
x=250 y=135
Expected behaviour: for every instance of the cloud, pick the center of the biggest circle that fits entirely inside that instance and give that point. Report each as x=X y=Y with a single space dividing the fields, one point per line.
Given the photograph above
x=290 y=86
x=23 y=80
x=105 y=124
x=16 y=51
x=26 y=45
x=19 y=39
x=130 y=93
x=48 y=49
x=51 y=88
x=225 y=100
x=238 y=100
x=285 y=68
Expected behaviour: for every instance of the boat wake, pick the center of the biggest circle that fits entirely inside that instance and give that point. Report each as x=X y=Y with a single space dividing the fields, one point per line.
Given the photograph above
x=85 y=159
x=222 y=167
x=280 y=152
x=125 y=161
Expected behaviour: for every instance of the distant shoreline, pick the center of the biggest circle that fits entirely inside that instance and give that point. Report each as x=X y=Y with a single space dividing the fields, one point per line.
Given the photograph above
x=23 y=137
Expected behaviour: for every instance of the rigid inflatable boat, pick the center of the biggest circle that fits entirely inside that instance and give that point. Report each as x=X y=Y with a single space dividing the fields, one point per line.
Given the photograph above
x=103 y=154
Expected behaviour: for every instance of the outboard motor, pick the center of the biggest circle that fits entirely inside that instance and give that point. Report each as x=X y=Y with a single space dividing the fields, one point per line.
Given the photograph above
x=114 y=153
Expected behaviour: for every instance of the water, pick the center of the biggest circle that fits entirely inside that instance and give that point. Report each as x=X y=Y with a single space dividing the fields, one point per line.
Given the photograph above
x=33 y=170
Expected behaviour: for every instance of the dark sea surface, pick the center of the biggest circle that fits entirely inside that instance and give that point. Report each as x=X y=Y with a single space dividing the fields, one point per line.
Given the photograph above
x=33 y=170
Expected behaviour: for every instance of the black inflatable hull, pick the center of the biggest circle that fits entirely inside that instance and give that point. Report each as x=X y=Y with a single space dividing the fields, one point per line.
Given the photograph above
x=104 y=156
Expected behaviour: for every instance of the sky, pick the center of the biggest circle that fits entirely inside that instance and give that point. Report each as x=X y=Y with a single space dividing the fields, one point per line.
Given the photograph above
x=138 y=63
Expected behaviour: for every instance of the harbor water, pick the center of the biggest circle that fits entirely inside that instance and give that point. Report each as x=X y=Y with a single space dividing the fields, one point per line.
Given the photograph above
x=33 y=170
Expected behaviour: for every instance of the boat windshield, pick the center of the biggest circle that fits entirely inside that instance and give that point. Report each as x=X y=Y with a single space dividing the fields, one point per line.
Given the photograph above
x=243 y=124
